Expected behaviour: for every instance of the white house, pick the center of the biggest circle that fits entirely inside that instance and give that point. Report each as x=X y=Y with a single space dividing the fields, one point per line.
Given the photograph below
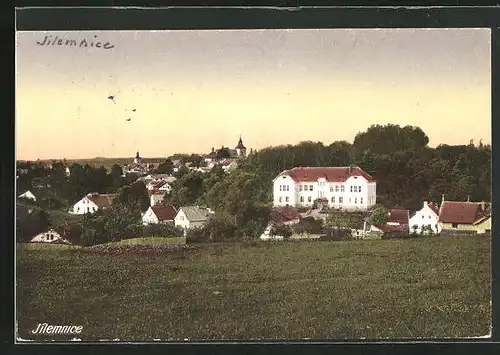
x=29 y=195
x=51 y=236
x=92 y=202
x=229 y=165
x=192 y=217
x=156 y=197
x=428 y=217
x=348 y=188
x=159 y=214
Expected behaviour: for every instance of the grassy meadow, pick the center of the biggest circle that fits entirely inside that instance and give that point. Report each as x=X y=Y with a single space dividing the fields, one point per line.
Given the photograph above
x=432 y=287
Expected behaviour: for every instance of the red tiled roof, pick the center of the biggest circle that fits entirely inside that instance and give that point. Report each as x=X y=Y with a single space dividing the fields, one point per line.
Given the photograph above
x=399 y=216
x=227 y=162
x=284 y=214
x=164 y=213
x=391 y=228
x=331 y=174
x=461 y=212
x=158 y=184
x=104 y=200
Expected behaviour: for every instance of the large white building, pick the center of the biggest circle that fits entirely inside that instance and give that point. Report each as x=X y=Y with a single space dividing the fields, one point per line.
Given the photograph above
x=348 y=188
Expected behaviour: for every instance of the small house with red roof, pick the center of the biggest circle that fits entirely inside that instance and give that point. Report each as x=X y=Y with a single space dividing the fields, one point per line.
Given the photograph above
x=159 y=214
x=426 y=219
x=397 y=221
x=228 y=165
x=347 y=188
x=465 y=216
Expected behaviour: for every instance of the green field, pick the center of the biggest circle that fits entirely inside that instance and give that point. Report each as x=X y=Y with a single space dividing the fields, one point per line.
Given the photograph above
x=428 y=287
x=151 y=240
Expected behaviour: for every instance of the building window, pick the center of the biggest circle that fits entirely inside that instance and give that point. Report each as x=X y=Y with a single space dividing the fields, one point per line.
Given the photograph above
x=355 y=189
x=361 y=200
x=331 y=188
x=333 y=199
x=279 y=199
x=305 y=187
x=300 y=187
x=301 y=198
x=336 y=188
x=342 y=188
x=351 y=188
x=350 y=200
x=286 y=199
x=454 y=225
x=309 y=199
x=359 y=188
x=429 y=217
x=355 y=200
x=281 y=187
x=288 y=187
x=310 y=187
x=341 y=200
x=78 y=209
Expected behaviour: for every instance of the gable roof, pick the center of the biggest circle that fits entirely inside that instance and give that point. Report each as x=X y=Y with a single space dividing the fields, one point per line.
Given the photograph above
x=331 y=174
x=196 y=213
x=399 y=216
x=227 y=162
x=284 y=214
x=434 y=208
x=102 y=200
x=391 y=228
x=462 y=212
x=164 y=213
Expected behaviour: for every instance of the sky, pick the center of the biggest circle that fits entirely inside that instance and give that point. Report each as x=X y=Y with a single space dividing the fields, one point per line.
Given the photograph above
x=194 y=90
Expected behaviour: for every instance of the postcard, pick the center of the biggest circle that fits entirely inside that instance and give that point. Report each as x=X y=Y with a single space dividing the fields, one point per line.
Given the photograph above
x=253 y=185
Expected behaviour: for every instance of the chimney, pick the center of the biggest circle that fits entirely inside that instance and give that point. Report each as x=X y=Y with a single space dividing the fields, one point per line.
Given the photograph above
x=468 y=198
x=213 y=149
x=442 y=199
x=483 y=206
x=425 y=203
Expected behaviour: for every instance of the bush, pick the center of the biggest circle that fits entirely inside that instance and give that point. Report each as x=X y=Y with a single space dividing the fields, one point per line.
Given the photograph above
x=309 y=225
x=197 y=235
x=161 y=230
x=281 y=230
x=337 y=234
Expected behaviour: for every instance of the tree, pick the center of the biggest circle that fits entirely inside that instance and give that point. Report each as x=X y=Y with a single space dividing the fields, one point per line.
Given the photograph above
x=379 y=216
x=281 y=230
x=166 y=167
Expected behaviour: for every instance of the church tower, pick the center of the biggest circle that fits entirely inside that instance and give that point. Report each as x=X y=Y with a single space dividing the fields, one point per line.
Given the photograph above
x=138 y=159
x=241 y=150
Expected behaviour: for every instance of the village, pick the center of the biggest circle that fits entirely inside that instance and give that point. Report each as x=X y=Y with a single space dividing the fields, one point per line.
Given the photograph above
x=299 y=194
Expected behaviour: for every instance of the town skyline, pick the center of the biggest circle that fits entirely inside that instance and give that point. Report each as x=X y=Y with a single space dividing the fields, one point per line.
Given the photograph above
x=167 y=92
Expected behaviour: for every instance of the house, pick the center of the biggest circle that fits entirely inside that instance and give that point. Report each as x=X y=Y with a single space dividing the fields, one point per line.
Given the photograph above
x=68 y=171
x=156 y=197
x=51 y=236
x=427 y=218
x=159 y=214
x=284 y=215
x=192 y=217
x=228 y=165
x=139 y=166
x=465 y=217
x=397 y=221
x=28 y=195
x=348 y=188
x=92 y=202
